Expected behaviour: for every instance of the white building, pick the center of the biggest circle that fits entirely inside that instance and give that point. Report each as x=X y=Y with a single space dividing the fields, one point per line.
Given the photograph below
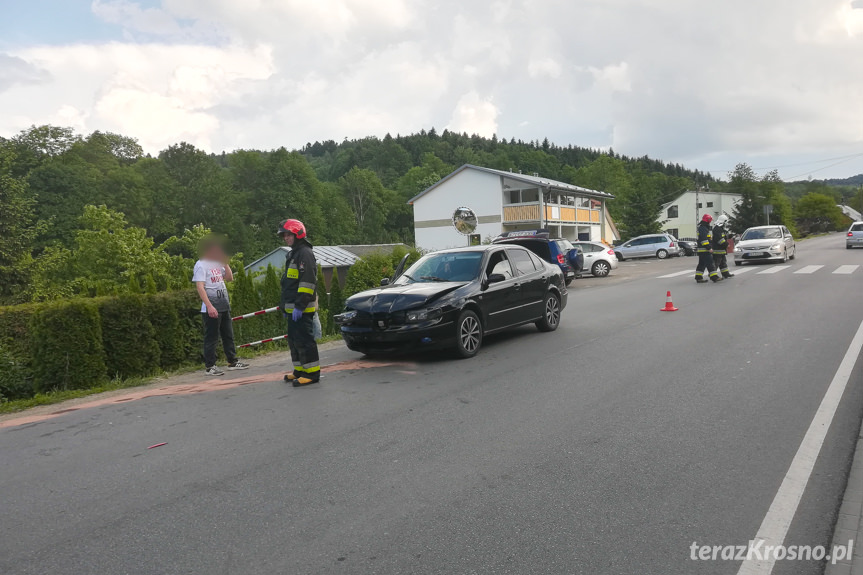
x=680 y=218
x=473 y=204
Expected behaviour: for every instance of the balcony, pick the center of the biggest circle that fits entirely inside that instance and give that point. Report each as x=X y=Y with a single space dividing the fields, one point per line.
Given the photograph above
x=553 y=214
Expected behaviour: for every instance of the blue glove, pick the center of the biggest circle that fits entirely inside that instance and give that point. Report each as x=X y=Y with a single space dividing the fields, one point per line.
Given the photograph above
x=296 y=314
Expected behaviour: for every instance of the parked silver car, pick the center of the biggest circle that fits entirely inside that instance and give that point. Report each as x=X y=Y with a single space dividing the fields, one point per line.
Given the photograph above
x=855 y=236
x=650 y=246
x=765 y=243
x=599 y=259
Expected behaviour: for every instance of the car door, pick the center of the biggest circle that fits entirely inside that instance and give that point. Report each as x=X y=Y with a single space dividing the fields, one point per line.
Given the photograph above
x=789 y=241
x=499 y=300
x=640 y=247
x=532 y=285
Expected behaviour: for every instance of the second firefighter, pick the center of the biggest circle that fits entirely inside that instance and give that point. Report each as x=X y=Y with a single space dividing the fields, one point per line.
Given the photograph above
x=720 y=246
x=705 y=251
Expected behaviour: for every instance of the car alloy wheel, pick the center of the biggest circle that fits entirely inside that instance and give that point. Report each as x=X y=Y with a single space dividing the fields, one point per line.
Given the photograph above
x=662 y=254
x=551 y=313
x=601 y=269
x=469 y=335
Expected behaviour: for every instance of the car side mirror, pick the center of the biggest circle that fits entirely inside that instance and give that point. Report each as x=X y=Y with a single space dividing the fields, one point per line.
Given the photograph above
x=385 y=282
x=496 y=278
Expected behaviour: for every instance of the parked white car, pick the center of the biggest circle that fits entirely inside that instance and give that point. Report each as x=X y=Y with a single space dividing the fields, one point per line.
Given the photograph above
x=599 y=259
x=765 y=243
x=855 y=236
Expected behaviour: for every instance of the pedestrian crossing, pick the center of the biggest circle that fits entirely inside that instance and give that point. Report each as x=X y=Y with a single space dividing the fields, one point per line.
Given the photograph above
x=843 y=270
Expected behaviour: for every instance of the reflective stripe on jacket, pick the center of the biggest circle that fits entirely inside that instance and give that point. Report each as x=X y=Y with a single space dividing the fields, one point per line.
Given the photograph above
x=300 y=279
x=720 y=239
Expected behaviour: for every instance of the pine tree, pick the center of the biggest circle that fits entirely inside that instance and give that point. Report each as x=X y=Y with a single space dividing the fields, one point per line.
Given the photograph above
x=151 y=287
x=337 y=299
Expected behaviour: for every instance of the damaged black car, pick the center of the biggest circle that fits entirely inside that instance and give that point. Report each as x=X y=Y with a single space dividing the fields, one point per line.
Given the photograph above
x=453 y=299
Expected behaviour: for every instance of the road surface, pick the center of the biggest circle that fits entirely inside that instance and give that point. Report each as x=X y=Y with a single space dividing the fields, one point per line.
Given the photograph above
x=609 y=446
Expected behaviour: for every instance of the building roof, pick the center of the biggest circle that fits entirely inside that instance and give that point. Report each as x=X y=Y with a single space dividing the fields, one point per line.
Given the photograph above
x=368 y=249
x=527 y=179
x=327 y=256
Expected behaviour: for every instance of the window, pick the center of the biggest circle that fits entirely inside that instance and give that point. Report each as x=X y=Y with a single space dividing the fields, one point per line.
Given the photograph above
x=514 y=196
x=709 y=204
x=582 y=202
x=531 y=195
x=699 y=206
x=673 y=232
x=673 y=212
x=499 y=264
x=536 y=261
x=522 y=262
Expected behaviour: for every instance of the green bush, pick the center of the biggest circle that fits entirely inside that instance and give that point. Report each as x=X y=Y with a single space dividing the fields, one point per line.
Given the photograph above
x=66 y=344
x=15 y=328
x=128 y=337
x=366 y=274
x=16 y=379
x=175 y=335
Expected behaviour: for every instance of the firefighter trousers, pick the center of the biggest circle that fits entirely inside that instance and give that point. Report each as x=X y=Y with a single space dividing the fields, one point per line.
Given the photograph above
x=705 y=262
x=720 y=260
x=304 y=348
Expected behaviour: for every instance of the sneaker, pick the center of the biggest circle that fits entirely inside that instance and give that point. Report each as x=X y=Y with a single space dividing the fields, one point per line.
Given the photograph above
x=214 y=371
x=237 y=366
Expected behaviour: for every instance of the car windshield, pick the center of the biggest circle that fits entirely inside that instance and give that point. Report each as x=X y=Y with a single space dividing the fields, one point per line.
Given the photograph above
x=762 y=234
x=443 y=267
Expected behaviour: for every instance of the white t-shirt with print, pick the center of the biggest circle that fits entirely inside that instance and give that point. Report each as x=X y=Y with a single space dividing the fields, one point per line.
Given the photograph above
x=212 y=274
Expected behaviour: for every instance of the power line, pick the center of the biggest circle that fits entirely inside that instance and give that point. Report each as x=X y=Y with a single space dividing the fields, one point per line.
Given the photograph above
x=810 y=162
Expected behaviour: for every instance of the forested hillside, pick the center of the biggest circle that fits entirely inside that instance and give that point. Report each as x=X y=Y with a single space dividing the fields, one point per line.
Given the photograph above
x=350 y=192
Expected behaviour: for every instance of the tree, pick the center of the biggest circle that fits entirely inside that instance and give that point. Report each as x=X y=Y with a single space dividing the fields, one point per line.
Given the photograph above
x=749 y=212
x=365 y=193
x=17 y=226
x=818 y=213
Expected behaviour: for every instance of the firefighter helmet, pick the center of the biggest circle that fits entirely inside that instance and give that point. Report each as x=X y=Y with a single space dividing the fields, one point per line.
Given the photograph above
x=707 y=218
x=295 y=227
x=722 y=220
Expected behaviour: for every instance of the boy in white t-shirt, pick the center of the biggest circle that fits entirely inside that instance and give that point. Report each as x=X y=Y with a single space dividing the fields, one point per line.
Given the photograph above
x=211 y=273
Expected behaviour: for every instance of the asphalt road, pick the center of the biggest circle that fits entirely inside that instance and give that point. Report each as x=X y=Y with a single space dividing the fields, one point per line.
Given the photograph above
x=606 y=447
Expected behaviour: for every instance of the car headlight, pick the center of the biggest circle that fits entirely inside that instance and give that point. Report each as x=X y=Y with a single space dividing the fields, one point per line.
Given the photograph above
x=738 y=250
x=419 y=315
x=776 y=246
x=346 y=317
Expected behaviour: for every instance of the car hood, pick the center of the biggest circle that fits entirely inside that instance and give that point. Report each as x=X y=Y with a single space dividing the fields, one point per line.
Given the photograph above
x=401 y=297
x=757 y=244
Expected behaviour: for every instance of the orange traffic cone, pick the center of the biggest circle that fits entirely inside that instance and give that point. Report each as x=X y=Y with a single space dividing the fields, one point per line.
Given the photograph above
x=669 y=306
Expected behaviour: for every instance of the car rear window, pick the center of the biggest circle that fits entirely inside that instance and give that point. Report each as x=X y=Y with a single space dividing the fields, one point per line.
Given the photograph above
x=539 y=247
x=857 y=228
x=522 y=262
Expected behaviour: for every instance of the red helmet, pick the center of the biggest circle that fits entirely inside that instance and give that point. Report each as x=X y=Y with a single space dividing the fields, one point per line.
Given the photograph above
x=707 y=218
x=295 y=227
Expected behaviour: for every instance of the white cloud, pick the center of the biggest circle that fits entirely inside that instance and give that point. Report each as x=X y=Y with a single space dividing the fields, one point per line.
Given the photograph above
x=474 y=115
x=751 y=79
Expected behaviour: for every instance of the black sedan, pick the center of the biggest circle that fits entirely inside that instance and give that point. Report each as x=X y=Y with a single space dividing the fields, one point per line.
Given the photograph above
x=452 y=299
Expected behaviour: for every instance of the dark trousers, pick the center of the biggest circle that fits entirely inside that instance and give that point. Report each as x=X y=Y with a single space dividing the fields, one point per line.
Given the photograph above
x=705 y=262
x=213 y=328
x=720 y=260
x=304 y=348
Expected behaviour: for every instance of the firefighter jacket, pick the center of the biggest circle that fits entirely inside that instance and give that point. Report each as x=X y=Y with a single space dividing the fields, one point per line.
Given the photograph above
x=720 y=240
x=300 y=279
x=705 y=238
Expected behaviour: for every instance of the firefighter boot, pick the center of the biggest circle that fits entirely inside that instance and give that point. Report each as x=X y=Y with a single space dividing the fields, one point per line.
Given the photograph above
x=715 y=278
x=291 y=377
x=700 y=279
x=300 y=382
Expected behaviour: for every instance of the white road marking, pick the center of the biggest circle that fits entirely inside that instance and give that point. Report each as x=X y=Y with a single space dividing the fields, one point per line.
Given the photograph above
x=775 y=526
x=774 y=270
x=808 y=269
x=677 y=274
x=740 y=271
x=845 y=270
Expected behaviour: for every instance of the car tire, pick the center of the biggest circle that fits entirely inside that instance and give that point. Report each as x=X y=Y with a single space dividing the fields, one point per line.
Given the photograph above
x=601 y=269
x=468 y=334
x=784 y=255
x=793 y=253
x=662 y=254
x=738 y=264
x=550 y=313
x=568 y=281
x=847 y=247
x=620 y=258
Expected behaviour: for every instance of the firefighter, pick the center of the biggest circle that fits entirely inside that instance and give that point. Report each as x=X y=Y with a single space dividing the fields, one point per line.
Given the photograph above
x=298 y=303
x=720 y=246
x=705 y=251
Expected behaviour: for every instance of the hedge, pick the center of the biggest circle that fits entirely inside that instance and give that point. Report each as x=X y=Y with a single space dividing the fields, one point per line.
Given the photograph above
x=79 y=343
x=66 y=346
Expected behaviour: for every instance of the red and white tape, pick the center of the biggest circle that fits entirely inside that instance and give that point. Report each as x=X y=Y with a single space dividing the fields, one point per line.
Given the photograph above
x=254 y=314
x=263 y=341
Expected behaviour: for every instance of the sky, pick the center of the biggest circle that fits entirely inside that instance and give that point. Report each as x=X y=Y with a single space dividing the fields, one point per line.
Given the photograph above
x=774 y=83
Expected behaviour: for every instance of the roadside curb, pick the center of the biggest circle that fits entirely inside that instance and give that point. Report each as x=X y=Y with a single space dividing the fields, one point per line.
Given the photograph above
x=848 y=522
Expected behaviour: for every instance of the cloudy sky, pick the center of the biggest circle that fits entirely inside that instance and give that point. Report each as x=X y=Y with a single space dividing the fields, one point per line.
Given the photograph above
x=771 y=82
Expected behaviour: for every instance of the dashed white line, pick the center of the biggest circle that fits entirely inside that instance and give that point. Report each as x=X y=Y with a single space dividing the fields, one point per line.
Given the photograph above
x=676 y=274
x=808 y=269
x=775 y=526
x=740 y=271
x=845 y=270
x=774 y=270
